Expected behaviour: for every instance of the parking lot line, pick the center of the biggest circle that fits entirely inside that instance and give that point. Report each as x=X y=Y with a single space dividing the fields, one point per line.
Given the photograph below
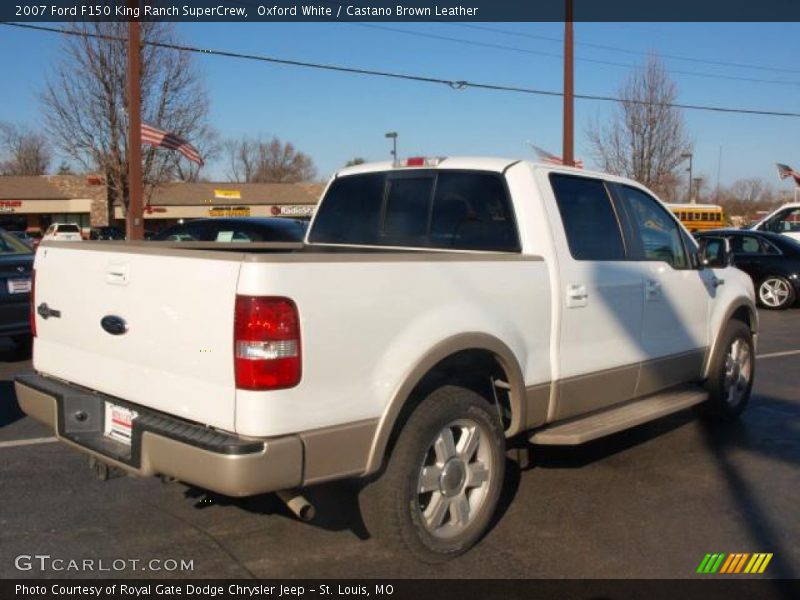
x=28 y=442
x=777 y=354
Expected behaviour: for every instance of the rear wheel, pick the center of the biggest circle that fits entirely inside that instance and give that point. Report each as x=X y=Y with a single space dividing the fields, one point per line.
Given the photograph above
x=731 y=376
x=776 y=293
x=442 y=481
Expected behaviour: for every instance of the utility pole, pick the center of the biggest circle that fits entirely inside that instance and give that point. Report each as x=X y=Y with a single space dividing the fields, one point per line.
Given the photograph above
x=392 y=135
x=568 y=154
x=134 y=226
x=690 y=156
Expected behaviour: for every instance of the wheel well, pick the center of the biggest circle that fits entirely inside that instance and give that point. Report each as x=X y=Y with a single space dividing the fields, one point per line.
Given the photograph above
x=743 y=314
x=474 y=369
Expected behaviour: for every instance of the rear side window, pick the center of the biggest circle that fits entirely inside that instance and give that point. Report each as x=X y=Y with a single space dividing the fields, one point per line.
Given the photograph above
x=591 y=225
x=455 y=210
x=350 y=213
x=472 y=211
x=749 y=244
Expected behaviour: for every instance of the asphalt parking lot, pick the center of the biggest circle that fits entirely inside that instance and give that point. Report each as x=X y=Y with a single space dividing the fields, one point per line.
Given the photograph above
x=648 y=503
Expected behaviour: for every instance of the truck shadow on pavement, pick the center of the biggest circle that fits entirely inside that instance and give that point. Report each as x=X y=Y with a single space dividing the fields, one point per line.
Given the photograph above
x=336 y=503
x=770 y=429
x=775 y=437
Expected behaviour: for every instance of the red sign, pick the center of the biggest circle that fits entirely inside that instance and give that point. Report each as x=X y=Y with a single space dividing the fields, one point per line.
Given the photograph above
x=10 y=203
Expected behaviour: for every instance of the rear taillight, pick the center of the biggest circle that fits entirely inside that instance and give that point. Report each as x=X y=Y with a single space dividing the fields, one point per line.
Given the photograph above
x=266 y=343
x=33 y=303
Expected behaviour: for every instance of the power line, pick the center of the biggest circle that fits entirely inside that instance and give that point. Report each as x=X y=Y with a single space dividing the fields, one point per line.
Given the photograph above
x=719 y=63
x=452 y=83
x=559 y=56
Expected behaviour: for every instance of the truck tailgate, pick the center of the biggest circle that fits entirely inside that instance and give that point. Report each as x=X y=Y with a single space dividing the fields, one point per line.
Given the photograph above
x=176 y=353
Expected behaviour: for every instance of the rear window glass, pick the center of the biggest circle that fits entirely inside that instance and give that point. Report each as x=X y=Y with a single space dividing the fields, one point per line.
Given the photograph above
x=68 y=229
x=459 y=210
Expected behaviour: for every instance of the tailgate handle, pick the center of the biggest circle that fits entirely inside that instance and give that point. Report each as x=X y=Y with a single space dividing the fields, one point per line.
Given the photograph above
x=117 y=274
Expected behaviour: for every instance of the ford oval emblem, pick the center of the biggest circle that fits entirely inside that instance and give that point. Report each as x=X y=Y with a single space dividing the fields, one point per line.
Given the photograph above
x=114 y=325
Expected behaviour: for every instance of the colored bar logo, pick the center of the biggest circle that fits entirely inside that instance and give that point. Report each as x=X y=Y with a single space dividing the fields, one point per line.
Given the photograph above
x=738 y=562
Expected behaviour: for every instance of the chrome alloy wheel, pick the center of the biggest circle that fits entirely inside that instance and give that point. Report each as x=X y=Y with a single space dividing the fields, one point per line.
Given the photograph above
x=454 y=478
x=738 y=371
x=774 y=292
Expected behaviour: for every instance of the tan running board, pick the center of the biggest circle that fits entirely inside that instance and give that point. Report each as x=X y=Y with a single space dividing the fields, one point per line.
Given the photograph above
x=618 y=418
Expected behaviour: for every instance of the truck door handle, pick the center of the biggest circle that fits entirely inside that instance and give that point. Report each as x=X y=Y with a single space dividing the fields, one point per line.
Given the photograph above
x=577 y=295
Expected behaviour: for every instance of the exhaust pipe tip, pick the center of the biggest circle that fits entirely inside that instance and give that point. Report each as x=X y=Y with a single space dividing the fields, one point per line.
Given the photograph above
x=298 y=504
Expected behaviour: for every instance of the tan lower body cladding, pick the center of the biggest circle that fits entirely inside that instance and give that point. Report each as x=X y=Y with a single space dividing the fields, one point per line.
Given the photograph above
x=586 y=393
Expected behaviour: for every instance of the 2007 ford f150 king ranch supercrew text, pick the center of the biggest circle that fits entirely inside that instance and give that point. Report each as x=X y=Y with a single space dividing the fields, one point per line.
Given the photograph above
x=437 y=309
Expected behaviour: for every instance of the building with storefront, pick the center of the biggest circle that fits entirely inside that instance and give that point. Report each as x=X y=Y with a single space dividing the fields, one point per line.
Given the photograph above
x=32 y=202
x=170 y=203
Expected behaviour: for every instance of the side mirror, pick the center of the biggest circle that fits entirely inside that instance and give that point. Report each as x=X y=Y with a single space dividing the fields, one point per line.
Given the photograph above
x=715 y=252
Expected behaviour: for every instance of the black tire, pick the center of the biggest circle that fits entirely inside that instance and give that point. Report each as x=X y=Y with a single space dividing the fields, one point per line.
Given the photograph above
x=729 y=385
x=394 y=506
x=775 y=292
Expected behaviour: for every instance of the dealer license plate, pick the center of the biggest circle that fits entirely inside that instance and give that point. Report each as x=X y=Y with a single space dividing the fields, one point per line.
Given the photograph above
x=19 y=286
x=119 y=422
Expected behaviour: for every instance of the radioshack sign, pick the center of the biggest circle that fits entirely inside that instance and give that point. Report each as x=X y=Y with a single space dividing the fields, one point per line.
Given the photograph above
x=293 y=210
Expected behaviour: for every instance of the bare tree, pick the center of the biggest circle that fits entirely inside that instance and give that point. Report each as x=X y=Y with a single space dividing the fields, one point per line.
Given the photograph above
x=751 y=189
x=746 y=196
x=86 y=105
x=273 y=161
x=23 y=152
x=645 y=137
x=355 y=161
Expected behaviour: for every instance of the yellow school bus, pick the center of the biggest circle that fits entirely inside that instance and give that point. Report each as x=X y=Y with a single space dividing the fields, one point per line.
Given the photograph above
x=699 y=217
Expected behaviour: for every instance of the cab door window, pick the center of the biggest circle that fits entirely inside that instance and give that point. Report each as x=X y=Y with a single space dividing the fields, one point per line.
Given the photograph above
x=657 y=233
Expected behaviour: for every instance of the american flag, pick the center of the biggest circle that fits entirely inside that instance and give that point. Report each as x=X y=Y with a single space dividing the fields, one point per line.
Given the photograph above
x=552 y=159
x=172 y=141
x=785 y=171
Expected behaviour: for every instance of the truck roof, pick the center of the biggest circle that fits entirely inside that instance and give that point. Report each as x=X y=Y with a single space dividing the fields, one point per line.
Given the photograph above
x=450 y=162
x=479 y=163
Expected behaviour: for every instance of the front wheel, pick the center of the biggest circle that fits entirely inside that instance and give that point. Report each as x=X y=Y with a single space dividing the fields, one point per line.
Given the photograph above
x=443 y=478
x=730 y=378
x=776 y=293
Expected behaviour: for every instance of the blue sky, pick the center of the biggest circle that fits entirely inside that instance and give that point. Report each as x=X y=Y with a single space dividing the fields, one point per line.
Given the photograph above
x=335 y=116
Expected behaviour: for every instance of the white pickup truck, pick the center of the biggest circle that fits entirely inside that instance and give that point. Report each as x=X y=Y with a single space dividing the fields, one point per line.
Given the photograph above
x=437 y=309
